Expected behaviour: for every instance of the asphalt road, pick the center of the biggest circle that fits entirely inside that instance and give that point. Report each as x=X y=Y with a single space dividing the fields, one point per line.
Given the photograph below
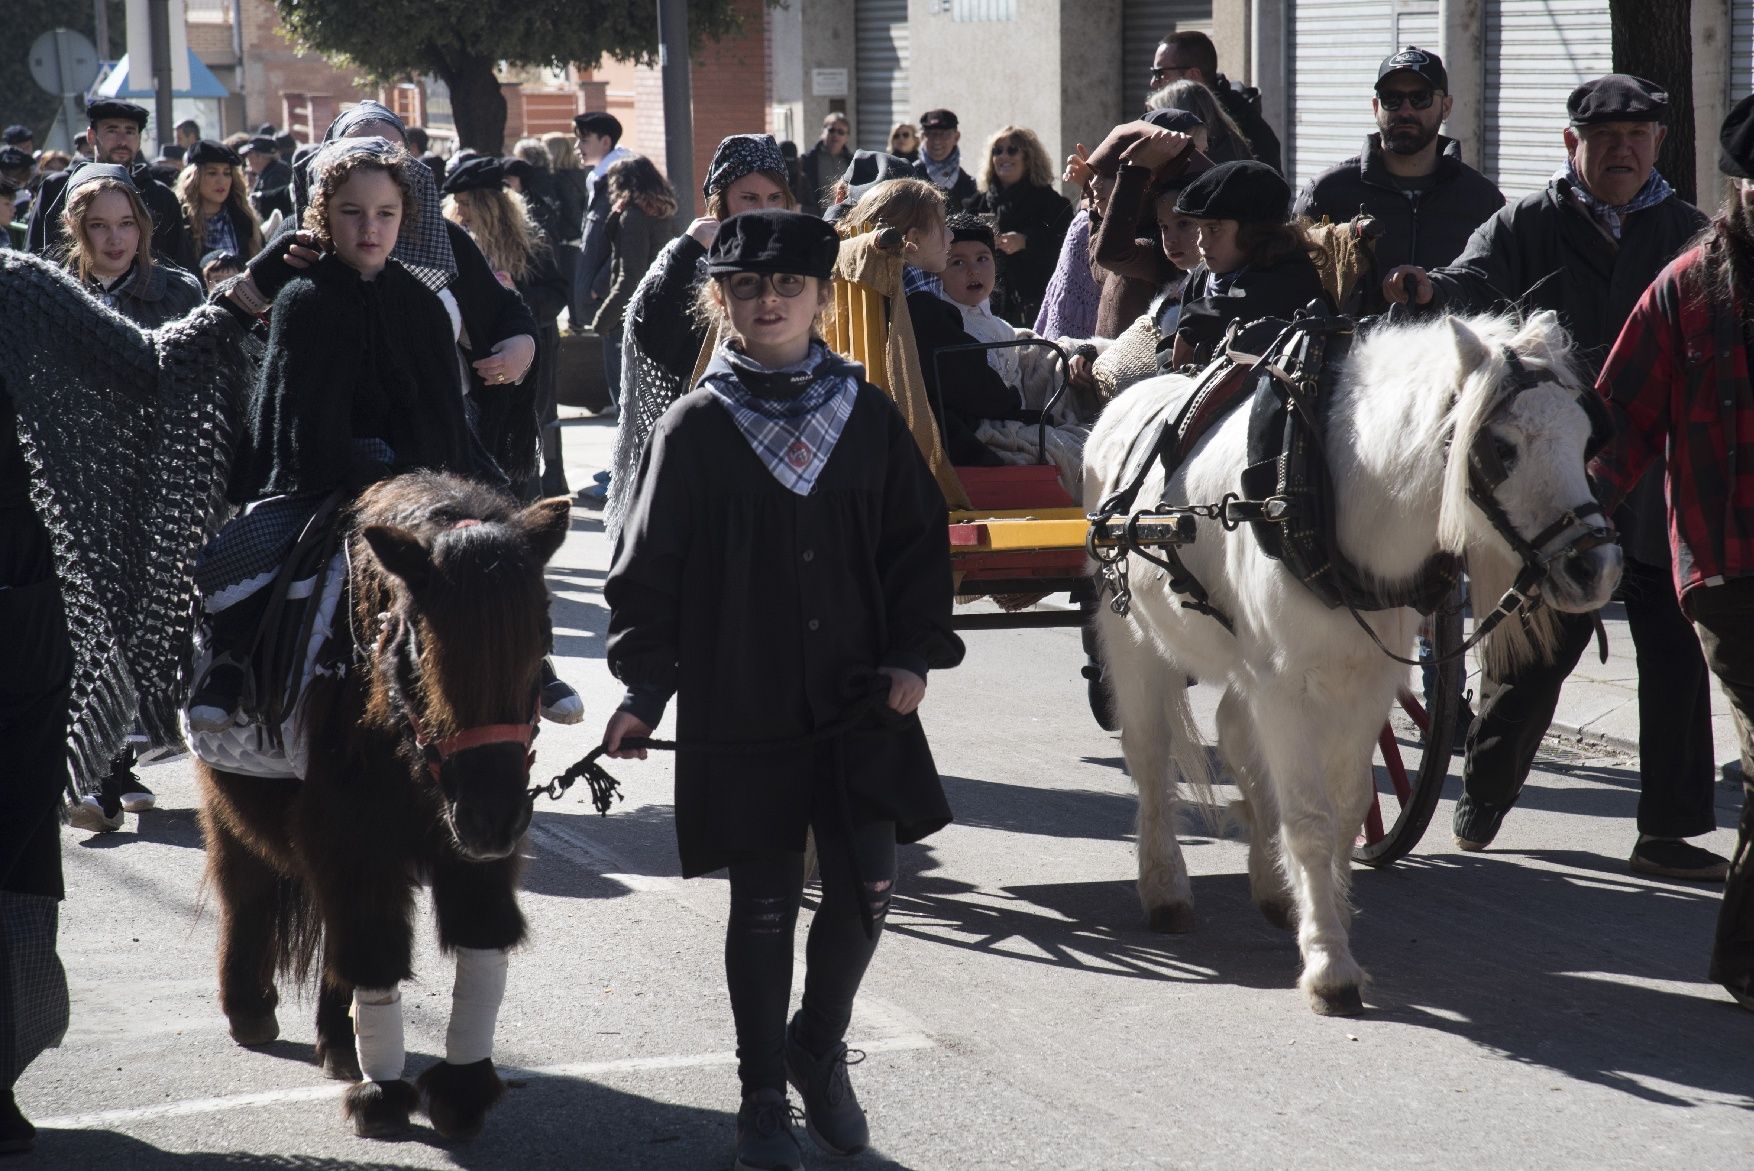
x=1533 y=1006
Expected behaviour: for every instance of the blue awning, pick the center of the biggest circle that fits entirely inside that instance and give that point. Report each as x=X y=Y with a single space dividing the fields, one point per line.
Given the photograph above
x=202 y=83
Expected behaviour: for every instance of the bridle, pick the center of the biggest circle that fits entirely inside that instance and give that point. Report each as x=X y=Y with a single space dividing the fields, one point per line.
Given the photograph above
x=399 y=636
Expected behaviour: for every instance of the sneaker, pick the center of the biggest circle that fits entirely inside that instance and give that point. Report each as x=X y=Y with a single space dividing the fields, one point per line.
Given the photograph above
x=765 y=1141
x=122 y=787
x=832 y=1113
x=1675 y=858
x=1476 y=823
x=17 y=1135
x=214 y=705
x=90 y=815
x=560 y=703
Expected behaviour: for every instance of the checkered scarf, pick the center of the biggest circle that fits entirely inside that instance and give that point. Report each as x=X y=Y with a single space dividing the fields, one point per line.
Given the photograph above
x=1655 y=190
x=792 y=417
x=943 y=172
x=918 y=280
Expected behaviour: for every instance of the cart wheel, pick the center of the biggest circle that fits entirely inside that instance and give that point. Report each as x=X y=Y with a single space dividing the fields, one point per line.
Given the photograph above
x=1102 y=696
x=1414 y=749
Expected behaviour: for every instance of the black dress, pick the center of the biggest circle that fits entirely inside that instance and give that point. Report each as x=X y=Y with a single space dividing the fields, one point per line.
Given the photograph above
x=767 y=613
x=1040 y=214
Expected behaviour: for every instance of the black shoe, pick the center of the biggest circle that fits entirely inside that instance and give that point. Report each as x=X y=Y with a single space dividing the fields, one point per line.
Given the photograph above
x=560 y=703
x=831 y=1111
x=124 y=789
x=765 y=1141
x=214 y=705
x=99 y=815
x=17 y=1135
x=1675 y=858
x=1477 y=822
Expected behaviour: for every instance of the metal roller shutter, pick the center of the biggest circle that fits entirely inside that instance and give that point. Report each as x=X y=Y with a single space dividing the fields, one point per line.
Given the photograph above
x=1336 y=46
x=880 y=58
x=1741 y=80
x=1537 y=51
x=1144 y=24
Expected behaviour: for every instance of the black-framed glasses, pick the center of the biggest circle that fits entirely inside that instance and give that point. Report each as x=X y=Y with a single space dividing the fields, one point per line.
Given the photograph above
x=746 y=286
x=1394 y=99
x=1007 y=149
x=1162 y=72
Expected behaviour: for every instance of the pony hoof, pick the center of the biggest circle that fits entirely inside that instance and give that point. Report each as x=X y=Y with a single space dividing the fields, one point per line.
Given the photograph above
x=458 y=1097
x=1346 y=1001
x=252 y=1031
x=339 y=1064
x=379 y=1109
x=1279 y=914
x=1172 y=919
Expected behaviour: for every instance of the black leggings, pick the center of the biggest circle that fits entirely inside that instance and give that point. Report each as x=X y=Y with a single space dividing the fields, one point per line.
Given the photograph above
x=765 y=895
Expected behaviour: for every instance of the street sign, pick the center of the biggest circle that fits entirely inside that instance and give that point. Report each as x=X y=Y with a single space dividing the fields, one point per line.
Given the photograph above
x=63 y=62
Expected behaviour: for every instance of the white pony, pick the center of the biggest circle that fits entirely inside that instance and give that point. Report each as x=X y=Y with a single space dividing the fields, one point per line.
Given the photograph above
x=1306 y=692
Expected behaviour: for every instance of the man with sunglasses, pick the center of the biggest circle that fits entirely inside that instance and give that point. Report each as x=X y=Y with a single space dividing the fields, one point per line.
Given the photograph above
x=822 y=166
x=1408 y=177
x=941 y=158
x=1191 y=56
x=1587 y=247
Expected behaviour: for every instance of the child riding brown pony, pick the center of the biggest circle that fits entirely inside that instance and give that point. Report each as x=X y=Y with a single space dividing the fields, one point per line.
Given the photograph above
x=418 y=770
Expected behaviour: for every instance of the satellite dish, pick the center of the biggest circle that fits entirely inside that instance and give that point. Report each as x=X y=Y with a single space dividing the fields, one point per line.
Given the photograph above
x=64 y=62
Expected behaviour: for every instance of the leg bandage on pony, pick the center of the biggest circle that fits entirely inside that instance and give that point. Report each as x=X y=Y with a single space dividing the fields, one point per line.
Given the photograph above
x=475 y=1001
x=377 y=1028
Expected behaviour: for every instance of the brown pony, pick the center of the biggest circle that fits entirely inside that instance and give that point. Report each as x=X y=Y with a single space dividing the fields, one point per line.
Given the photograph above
x=418 y=771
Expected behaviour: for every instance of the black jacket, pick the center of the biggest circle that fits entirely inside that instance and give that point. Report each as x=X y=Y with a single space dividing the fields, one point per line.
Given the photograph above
x=506 y=414
x=1042 y=215
x=349 y=358
x=1545 y=252
x=272 y=189
x=766 y=614
x=170 y=235
x=168 y=294
x=961 y=386
x=818 y=171
x=1243 y=104
x=1428 y=228
x=1276 y=291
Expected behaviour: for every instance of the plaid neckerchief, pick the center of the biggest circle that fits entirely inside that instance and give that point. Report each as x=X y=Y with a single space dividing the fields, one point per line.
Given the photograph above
x=219 y=234
x=943 y=174
x=793 y=435
x=1613 y=219
x=918 y=280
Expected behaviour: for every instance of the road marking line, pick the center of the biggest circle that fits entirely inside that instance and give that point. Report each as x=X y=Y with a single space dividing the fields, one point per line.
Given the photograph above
x=577 y=1069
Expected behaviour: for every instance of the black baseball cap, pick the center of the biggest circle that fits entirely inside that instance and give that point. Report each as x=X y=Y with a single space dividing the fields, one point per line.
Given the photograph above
x=1415 y=60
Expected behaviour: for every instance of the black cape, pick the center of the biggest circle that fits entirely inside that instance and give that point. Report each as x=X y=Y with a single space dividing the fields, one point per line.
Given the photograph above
x=767 y=613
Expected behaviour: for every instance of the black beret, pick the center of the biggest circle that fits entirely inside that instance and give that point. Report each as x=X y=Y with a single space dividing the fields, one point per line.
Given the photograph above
x=1618 y=97
x=261 y=144
x=519 y=169
x=1246 y=191
x=970 y=229
x=481 y=173
x=1413 y=59
x=15 y=134
x=207 y=151
x=1170 y=118
x=871 y=167
x=11 y=158
x=938 y=120
x=111 y=108
x=1736 y=141
x=774 y=241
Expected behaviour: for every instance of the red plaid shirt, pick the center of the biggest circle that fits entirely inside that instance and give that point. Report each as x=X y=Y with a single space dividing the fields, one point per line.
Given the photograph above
x=1677 y=382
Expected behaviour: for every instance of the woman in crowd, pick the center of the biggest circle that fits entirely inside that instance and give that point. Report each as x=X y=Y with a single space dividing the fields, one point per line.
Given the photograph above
x=831 y=459
x=642 y=219
x=904 y=141
x=662 y=337
x=572 y=192
x=1030 y=219
x=521 y=255
x=109 y=252
x=216 y=201
x=1226 y=142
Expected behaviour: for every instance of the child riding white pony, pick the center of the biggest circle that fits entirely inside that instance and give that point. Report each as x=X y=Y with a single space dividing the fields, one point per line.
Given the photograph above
x=1306 y=691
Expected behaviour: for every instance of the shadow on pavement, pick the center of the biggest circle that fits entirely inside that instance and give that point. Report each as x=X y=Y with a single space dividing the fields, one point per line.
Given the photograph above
x=1029 y=809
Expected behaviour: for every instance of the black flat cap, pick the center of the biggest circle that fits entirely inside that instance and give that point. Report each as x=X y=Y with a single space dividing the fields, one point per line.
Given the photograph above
x=481 y=173
x=207 y=151
x=774 y=241
x=13 y=159
x=1618 y=97
x=871 y=167
x=519 y=169
x=13 y=135
x=1415 y=60
x=1736 y=141
x=1170 y=118
x=1246 y=191
x=111 y=108
x=261 y=144
x=938 y=120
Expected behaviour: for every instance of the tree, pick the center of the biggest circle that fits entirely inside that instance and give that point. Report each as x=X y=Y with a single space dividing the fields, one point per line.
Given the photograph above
x=463 y=42
x=1655 y=41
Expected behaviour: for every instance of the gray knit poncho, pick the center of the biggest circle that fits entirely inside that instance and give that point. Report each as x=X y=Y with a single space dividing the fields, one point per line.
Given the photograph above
x=128 y=436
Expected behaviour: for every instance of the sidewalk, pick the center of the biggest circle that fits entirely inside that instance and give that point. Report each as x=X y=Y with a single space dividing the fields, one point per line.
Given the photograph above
x=1598 y=707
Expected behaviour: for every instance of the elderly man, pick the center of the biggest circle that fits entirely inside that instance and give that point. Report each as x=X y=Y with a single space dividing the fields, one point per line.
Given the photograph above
x=941 y=158
x=1192 y=56
x=1587 y=247
x=1408 y=177
x=270 y=177
x=115 y=129
x=823 y=164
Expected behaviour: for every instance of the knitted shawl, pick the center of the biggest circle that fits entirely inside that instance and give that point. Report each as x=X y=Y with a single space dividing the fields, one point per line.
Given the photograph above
x=128 y=436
